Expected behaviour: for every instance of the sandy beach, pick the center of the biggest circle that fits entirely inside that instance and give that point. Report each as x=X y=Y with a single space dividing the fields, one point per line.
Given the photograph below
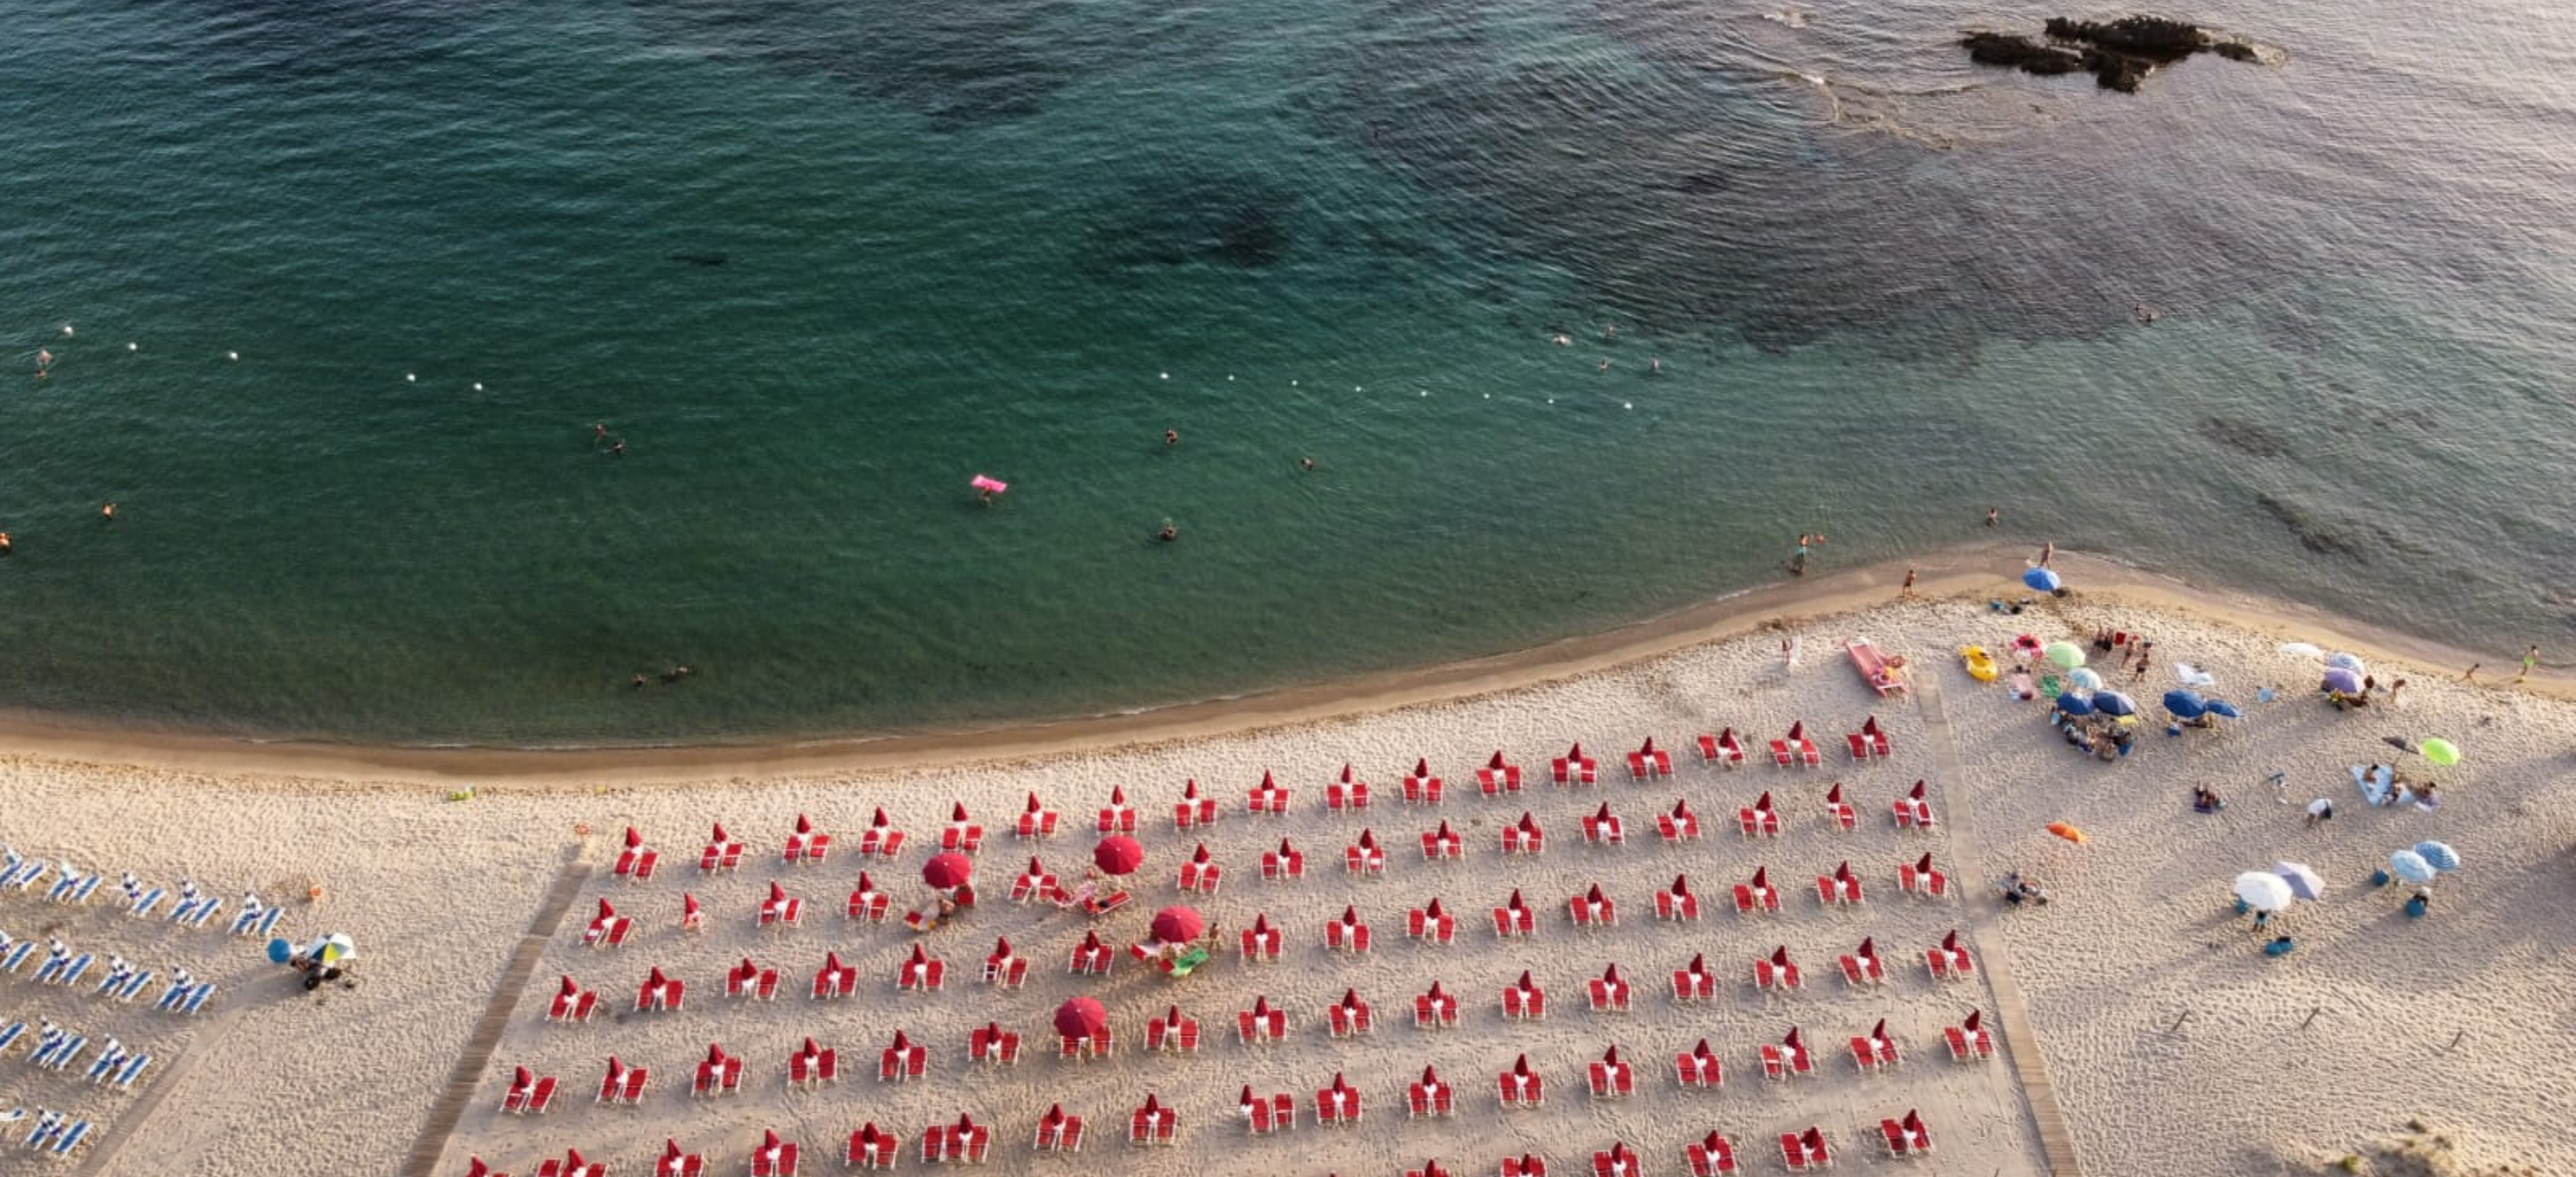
x=2140 y=1028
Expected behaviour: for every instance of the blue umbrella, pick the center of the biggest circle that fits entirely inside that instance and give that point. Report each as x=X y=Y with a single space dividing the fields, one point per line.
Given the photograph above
x=279 y=951
x=2222 y=707
x=2347 y=662
x=2041 y=580
x=2410 y=866
x=2185 y=705
x=2439 y=854
x=2074 y=704
x=2340 y=679
x=2114 y=703
x=2085 y=678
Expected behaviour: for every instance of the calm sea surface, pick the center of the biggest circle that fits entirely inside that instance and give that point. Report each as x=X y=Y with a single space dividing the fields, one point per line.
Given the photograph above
x=816 y=263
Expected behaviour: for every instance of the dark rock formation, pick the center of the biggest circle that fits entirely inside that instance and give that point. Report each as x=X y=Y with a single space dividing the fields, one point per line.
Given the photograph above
x=2013 y=49
x=2151 y=37
x=2118 y=53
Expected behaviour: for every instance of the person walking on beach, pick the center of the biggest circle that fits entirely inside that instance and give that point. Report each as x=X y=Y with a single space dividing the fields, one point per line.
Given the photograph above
x=2530 y=658
x=1908 y=590
x=2393 y=688
x=2471 y=674
x=2047 y=552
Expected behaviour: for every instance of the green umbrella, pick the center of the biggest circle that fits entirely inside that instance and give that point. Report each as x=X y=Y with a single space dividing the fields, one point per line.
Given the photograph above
x=2065 y=654
x=2439 y=751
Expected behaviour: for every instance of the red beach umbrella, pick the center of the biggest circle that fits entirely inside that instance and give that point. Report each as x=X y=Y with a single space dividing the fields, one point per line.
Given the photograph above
x=1081 y=1017
x=1118 y=854
x=1178 y=925
x=947 y=870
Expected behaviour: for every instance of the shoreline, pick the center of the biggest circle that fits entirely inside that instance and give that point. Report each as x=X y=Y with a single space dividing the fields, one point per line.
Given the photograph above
x=1961 y=572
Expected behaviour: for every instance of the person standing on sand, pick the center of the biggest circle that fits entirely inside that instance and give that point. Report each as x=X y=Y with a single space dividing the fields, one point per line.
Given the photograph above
x=1992 y=513
x=2471 y=674
x=2393 y=688
x=2530 y=658
x=2047 y=552
x=1908 y=590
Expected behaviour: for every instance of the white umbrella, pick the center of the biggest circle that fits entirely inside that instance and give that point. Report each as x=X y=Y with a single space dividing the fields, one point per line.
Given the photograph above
x=2263 y=890
x=2301 y=650
x=2303 y=879
x=2351 y=662
x=2193 y=676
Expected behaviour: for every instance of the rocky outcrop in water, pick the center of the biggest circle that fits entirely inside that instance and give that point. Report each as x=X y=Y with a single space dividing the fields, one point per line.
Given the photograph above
x=2118 y=53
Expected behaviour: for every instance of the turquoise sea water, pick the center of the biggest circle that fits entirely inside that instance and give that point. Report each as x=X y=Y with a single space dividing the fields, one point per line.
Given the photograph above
x=1886 y=288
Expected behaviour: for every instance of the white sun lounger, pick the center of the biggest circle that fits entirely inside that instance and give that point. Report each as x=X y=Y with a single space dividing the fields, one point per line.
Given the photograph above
x=71 y=971
x=73 y=887
x=53 y=970
x=23 y=873
x=256 y=918
x=107 y=1062
x=49 y=1124
x=61 y=1053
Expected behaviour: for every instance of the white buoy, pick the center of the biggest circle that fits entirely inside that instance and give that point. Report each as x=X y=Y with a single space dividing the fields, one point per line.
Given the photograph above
x=1426 y=392
x=411 y=377
x=1292 y=384
x=1551 y=400
x=1167 y=375
x=232 y=355
x=1489 y=396
x=1631 y=405
x=67 y=330
x=133 y=347
x=478 y=386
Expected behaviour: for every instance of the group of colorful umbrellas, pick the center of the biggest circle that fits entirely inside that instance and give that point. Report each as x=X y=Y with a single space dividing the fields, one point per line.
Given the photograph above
x=2273 y=890
x=2186 y=704
x=2425 y=862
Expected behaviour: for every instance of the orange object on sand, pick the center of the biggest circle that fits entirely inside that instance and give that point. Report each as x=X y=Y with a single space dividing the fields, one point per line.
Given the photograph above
x=2068 y=832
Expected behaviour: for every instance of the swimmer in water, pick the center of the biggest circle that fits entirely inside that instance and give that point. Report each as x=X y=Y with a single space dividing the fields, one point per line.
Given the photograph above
x=108 y=512
x=639 y=682
x=599 y=431
x=1562 y=339
x=4 y=543
x=1610 y=331
x=676 y=673
x=1605 y=364
x=1169 y=533
x=1654 y=367
x=1171 y=437
x=2145 y=313
x=618 y=450
x=1305 y=463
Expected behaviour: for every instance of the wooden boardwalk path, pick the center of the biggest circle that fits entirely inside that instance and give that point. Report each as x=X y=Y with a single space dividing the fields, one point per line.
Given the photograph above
x=462 y=1078
x=2021 y=1043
